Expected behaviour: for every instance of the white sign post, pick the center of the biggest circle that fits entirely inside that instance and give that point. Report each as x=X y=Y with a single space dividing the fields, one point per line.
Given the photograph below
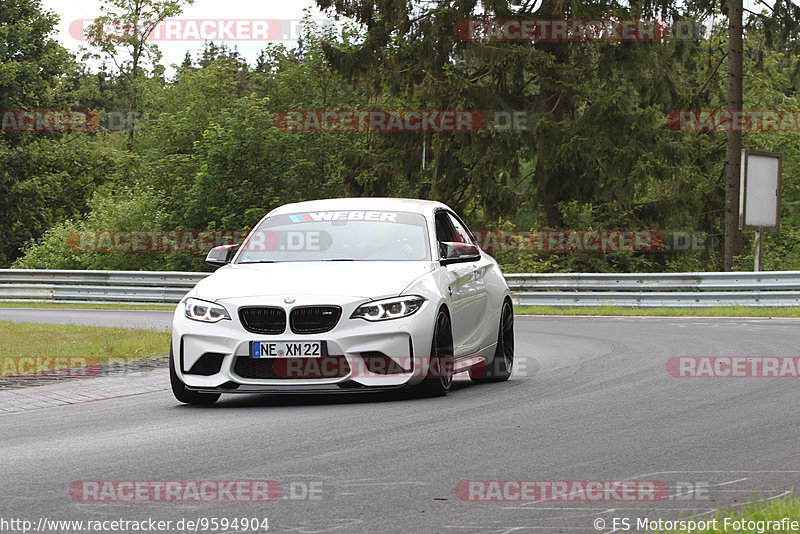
x=759 y=196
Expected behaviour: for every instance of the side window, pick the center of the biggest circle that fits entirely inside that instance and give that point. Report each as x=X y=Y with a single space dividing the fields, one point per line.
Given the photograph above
x=445 y=232
x=462 y=233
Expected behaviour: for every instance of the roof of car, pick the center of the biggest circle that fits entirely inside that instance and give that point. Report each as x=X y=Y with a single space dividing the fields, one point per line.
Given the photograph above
x=361 y=203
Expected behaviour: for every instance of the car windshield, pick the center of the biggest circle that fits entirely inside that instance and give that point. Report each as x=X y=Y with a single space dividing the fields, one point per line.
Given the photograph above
x=338 y=236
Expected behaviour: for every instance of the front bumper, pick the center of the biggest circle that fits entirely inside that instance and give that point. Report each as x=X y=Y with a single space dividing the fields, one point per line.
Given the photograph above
x=359 y=353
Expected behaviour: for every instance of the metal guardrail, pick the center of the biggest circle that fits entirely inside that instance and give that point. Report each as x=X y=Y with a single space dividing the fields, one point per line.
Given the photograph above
x=660 y=299
x=766 y=288
x=97 y=286
x=770 y=288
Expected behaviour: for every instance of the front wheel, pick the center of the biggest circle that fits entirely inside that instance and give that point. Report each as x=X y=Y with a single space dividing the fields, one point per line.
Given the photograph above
x=179 y=388
x=503 y=361
x=439 y=379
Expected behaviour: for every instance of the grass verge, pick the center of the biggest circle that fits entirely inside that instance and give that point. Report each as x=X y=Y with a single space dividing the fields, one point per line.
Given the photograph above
x=763 y=517
x=715 y=311
x=106 y=345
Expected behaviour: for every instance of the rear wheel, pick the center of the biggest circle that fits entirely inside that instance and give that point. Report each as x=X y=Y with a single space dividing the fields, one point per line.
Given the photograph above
x=179 y=388
x=503 y=362
x=440 y=369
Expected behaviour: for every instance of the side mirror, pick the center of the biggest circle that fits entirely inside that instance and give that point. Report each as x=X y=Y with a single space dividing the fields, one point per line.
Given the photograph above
x=459 y=252
x=219 y=256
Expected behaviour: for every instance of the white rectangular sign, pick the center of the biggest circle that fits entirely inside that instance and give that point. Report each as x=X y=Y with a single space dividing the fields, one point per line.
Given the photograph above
x=759 y=193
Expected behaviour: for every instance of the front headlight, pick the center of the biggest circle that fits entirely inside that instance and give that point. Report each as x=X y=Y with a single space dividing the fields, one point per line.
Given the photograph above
x=393 y=308
x=207 y=312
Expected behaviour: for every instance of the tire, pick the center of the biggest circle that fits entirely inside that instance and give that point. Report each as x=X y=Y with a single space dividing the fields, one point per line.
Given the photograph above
x=440 y=369
x=503 y=362
x=179 y=388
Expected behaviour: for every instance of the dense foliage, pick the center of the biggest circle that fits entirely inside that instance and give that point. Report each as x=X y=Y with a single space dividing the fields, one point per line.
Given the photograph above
x=207 y=154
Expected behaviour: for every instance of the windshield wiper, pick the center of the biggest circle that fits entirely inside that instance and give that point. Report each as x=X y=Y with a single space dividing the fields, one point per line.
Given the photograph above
x=258 y=261
x=340 y=259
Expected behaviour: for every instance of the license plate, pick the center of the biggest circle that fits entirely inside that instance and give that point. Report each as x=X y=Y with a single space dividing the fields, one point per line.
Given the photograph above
x=287 y=349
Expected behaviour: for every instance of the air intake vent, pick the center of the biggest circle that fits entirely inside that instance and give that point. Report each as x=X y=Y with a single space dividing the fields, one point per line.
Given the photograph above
x=326 y=367
x=263 y=320
x=208 y=364
x=314 y=319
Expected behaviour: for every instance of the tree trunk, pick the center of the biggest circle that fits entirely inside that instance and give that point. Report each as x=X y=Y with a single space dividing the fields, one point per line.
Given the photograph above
x=138 y=48
x=733 y=236
x=132 y=116
x=552 y=104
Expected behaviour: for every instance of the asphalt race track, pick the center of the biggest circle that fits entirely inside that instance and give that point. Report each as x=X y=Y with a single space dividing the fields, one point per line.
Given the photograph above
x=591 y=399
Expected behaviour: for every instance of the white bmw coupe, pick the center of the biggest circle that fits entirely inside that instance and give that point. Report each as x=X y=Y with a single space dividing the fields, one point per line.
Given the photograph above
x=344 y=294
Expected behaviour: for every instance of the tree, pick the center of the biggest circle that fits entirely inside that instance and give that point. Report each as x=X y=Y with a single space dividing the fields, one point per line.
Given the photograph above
x=31 y=65
x=30 y=61
x=598 y=137
x=128 y=24
x=733 y=237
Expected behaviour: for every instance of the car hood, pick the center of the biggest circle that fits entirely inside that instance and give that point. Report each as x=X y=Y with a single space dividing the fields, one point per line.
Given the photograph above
x=366 y=279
